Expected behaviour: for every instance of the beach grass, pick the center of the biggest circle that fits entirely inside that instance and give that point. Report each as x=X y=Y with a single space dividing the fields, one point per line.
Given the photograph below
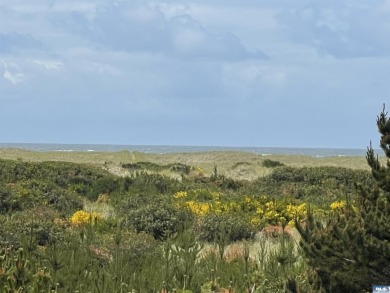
x=233 y=164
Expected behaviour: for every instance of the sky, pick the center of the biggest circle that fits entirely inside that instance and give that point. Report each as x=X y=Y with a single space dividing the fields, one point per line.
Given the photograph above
x=270 y=73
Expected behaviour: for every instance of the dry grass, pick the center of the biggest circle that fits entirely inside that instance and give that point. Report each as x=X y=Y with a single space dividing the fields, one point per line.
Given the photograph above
x=239 y=165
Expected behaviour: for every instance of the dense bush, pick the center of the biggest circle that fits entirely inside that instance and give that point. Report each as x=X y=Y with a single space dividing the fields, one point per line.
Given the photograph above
x=318 y=175
x=213 y=227
x=177 y=167
x=317 y=185
x=62 y=173
x=268 y=163
x=31 y=228
x=8 y=203
x=154 y=215
x=143 y=182
x=53 y=178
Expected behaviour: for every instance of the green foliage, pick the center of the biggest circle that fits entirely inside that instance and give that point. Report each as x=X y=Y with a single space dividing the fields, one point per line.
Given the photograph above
x=268 y=163
x=316 y=185
x=8 y=203
x=61 y=173
x=350 y=252
x=229 y=227
x=149 y=183
x=177 y=167
x=318 y=175
x=191 y=230
x=181 y=256
x=48 y=180
x=154 y=215
x=30 y=228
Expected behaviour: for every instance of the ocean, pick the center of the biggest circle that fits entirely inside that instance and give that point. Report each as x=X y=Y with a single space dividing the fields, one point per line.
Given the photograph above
x=164 y=149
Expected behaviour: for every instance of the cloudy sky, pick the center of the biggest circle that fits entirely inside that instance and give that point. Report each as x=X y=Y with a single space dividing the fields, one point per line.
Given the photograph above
x=218 y=73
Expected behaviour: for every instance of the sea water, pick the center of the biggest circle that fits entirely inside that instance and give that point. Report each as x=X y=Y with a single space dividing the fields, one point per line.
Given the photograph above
x=164 y=149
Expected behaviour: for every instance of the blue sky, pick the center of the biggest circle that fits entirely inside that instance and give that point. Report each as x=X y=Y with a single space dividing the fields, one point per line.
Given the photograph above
x=224 y=73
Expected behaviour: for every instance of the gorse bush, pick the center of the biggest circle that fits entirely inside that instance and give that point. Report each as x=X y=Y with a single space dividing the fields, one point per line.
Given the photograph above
x=80 y=218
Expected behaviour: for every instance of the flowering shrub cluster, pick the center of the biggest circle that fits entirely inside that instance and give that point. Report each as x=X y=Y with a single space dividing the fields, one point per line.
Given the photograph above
x=274 y=212
x=338 y=205
x=198 y=208
x=258 y=211
x=81 y=218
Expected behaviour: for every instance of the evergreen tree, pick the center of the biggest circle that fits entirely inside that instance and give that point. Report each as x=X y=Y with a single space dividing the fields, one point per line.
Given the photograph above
x=350 y=252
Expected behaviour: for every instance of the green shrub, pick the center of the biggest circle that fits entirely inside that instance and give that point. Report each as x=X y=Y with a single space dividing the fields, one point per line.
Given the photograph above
x=150 y=183
x=271 y=163
x=180 y=168
x=46 y=193
x=154 y=215
x=31 y=228
x=214 y=227
x=7 y=200
x=61 y=173
x=176 y=167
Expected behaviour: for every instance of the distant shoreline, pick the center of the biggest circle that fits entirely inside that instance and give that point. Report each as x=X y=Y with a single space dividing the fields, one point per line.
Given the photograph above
x=163 y=149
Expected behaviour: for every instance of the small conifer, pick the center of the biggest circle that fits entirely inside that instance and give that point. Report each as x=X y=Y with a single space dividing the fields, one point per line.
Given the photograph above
x=350 y=251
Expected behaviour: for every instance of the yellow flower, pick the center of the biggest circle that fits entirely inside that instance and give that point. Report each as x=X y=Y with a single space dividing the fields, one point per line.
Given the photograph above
x=260 y=211
x=292 y=211
x=271 y=215
x=215 y=195
x=198 y=208
x=270 y=205
x=180 y=194
x=291 y=223
x=338 y=205
x=80 y=218
x=250 y=204
x=255 y=221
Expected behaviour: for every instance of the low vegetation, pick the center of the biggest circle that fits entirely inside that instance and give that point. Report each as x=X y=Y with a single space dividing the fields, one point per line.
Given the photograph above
x=71 y=227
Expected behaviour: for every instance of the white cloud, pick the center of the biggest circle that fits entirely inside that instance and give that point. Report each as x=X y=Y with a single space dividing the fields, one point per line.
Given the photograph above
x=49 y=64
x=14 y=78
x=12 y=73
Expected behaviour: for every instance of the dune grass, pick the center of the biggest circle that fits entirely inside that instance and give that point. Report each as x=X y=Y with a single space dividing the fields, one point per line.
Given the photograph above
x=237 y=165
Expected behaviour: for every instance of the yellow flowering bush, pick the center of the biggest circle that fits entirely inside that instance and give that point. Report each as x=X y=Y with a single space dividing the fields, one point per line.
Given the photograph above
x=224 y=207
x=257 y=211
x=250 y=204
x=293 y=212
x=338 y=205
x=80 y=218
x=180 y=194
x=202 y=201
x=198 y=208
